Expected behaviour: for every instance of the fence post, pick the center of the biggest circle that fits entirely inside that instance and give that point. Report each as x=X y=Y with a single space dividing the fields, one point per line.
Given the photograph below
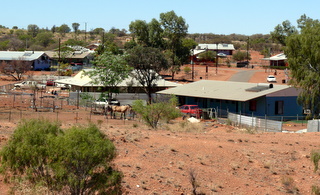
x=240 y=120
x=10 y=116
x=252 y=120
x=265 y=125
x=76 y=117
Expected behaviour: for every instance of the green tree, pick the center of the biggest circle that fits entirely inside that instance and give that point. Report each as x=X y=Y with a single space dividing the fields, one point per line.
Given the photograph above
x=302 y=52
x=109 y=70
x=162 y=110
x=98 y=31
x=174 y=30
x=76 y=159
x=241 y=55
x=130 y=44
x=155 y=34
x=33 y=30
x=44 y=39
x=81 y=159
x=75 y=27
x=27 y=153
x=63 y=29
x=147 y=62
x=282 y=31
x=139 y=32
x=207 y=56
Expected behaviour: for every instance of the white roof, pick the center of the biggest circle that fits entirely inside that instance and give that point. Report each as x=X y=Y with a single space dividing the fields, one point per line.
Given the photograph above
x=220 y=46
x=277 y=57
x=203 y=47
x=225 y=90
x=25 y=55
x=85 y=81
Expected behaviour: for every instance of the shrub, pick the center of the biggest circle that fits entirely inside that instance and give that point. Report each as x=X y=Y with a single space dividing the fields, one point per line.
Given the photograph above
x=161 y=110
x=187 y=69
x=27 y=151
x=315 y=157
x=75 y=160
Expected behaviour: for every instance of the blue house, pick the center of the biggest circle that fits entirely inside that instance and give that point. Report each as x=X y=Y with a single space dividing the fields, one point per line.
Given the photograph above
x=257 y=99
x=38 y=60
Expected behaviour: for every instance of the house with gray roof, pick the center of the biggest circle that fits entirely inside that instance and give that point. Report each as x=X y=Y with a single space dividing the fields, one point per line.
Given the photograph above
x=258 y=99
x=38 y=59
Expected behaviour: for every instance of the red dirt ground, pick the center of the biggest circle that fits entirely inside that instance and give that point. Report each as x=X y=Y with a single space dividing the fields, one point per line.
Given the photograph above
x=223 y=159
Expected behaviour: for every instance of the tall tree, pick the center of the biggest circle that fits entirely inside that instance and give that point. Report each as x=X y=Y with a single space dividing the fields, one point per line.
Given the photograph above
x=63 y=29
x=33 y=30
x=139 y=32
x=147 y=62
x=109 y=70
x=155 y=33
x=44 y=39
x=175 y=29
x=302 y=51
x=282 y=31
x=241 y=55
x=75 y=27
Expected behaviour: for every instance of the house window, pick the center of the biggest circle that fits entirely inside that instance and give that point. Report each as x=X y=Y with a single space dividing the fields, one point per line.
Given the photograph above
x=279 y=107
x=253 y=105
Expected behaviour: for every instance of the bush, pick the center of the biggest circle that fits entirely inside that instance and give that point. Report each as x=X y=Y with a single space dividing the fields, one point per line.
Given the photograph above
x=160 y=110
x=75 y=160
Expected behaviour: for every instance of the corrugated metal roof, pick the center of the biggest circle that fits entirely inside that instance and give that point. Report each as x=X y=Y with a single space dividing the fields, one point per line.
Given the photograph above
x=85 y=81
x=224 y=90
x=75 y=54
x=277 y=57
x=25 y=55
x=221 y=46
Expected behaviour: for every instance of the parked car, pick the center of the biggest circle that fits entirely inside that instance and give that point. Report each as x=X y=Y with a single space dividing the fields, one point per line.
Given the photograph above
x=105 y=102
x=191 y=110
x=29 y=84
x=242 y=64
x=271 y=78
x=50 y=82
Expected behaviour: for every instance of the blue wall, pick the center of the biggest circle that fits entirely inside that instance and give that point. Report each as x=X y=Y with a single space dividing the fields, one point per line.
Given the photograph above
x=265 y=106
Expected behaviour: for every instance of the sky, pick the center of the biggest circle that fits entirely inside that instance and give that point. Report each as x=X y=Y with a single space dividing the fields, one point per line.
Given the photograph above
x=246 y=17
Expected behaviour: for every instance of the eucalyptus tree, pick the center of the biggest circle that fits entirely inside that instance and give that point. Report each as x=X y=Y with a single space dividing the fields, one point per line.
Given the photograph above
x=63 y=29
x=75 y=27
x=147 y=62
x=282 y=31
x=139 y=32
x=33 y=30
x=109 y=70
x=303 y=54
x=175 y=29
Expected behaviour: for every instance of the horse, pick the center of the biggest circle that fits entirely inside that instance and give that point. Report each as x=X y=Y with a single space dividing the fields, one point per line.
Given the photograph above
x=122 y=109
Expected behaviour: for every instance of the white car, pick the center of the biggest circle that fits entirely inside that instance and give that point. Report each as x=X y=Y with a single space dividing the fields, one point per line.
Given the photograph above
x=271 y=78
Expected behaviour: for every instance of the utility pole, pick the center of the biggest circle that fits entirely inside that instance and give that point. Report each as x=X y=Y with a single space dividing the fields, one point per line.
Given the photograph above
x=217 y=59
x=248 y=53
x=59 y=58
x=85 y=32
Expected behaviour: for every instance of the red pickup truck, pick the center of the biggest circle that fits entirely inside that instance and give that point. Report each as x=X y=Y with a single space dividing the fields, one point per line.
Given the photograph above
x=191 y=110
